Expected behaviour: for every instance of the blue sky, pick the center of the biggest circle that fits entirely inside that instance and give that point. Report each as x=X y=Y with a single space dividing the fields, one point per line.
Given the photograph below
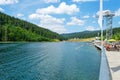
x=61 y=16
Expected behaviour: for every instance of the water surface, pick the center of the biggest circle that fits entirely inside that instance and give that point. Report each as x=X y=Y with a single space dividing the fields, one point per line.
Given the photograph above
x=49 y=61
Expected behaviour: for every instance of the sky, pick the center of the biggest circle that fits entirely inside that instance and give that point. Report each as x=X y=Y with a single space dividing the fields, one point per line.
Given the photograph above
x=61 y=16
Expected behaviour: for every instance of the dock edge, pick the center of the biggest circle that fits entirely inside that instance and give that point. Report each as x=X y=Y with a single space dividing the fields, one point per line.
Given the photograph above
x=104 y=73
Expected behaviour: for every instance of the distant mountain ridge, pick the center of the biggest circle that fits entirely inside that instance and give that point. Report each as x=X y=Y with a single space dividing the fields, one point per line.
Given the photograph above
x=21 y=30
x=89 y=34
x=84 y=34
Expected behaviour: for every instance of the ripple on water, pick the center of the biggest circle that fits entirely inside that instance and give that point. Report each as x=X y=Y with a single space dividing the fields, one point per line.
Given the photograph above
x=49 y=61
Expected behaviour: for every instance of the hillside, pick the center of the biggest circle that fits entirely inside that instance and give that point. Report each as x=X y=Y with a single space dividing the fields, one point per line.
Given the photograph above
x=14 y=29
x=89 y=34
x=84 y=34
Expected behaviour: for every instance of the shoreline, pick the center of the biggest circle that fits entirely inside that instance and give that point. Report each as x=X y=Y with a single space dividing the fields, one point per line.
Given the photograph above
x=27 y=41
x=81 y=40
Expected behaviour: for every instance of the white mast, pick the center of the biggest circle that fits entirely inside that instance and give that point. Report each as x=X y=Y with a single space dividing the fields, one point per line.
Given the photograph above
x=100 y=21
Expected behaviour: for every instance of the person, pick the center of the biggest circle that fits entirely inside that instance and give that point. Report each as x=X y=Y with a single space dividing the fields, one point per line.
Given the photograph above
x=108 y=47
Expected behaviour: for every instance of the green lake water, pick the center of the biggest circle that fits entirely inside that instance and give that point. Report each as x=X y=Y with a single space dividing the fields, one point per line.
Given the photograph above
x=49 y=61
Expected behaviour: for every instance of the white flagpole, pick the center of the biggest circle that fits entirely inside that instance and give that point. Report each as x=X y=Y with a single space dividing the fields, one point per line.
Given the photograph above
x=100 y=21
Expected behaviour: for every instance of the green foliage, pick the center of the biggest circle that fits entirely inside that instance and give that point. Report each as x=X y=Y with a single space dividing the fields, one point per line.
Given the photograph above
x=20 y=30
x=89 y=34
x=15 y=33
x=84 y=34
x=116 y=33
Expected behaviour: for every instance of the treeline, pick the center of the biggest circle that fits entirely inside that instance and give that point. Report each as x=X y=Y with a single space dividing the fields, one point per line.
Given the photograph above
x=15 y=29
x=84 y=34
x=116 y=33
x=89 y=34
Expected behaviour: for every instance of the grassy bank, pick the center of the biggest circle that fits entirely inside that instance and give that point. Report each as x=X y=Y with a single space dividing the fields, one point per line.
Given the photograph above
x=81 y=40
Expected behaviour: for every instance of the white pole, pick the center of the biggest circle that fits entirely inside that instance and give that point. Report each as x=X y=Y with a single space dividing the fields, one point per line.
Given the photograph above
x=102 y=39
x=100 y=21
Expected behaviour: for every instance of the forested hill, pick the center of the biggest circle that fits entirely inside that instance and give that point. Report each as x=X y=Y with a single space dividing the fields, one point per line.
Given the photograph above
x=14 y=29
x=84 y=34
x=89 y=34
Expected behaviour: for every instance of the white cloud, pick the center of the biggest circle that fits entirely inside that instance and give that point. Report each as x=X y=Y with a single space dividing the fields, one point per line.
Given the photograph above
x=47 y=19
x=83 y=0
x=49 y=22
x=1 y=9
x=91 y=28
x=117 y=13
x=20 y=15
x=75 y=21
x=56 y=28
x=51 y=1
x=63 y=8
x=4 y=2
x=53 y=23
x=34 y=16
x=86 y=17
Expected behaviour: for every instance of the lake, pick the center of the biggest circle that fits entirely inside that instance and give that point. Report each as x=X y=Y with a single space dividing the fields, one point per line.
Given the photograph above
x=49 y=61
